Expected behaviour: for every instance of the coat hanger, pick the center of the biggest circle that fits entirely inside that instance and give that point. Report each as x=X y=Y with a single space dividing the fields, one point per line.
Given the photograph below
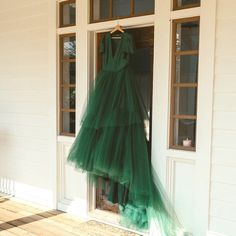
x=117 y=28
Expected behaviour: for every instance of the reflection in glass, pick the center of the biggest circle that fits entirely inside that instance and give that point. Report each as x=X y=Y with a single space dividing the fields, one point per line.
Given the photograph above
x=69 y=98
x=187 y=36
x=100 y=9
x=185 y=101
x=121 y=8
x=69 y=47
x=183 y=3
x=186 y=69
x=68 y=125
x=68 y=72
x=68 y=14
x=184 y=129
x=141 y=6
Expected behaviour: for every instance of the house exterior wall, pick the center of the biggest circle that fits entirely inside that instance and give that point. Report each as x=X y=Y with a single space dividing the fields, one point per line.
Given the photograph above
x=27 y=168
x=223 y=178
x=28 y=97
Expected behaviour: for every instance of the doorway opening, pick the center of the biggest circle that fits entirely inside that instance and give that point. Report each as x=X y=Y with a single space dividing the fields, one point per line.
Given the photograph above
x=142 y=63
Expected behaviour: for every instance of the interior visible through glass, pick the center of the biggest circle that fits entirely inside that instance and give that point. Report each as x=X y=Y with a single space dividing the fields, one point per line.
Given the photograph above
x=68 y=14
x=187 y=36
x=68 y=72
x=68 y=122
x=143 y=6
x=185 y=101
x=184 y=130
x=69 y=98
x=100 y=9
x=181 y=3
x=186 y=69
x=107 y=10
x=121 y=8
x=69 y=47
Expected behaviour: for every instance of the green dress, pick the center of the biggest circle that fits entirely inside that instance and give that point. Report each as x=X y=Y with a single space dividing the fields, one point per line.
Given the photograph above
x=112 y=141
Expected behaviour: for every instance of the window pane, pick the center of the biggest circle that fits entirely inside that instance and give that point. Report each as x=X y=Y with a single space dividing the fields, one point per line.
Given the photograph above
x=69 y=98
x=68 y=14
x=187 y=36
x=184 y=130
x=68 y=72
x=186 y=69
x=183 y=3
x=141 y=6
x=68 y=125
x=185 y=101
x=100 y=9
x=121 y=8
x=69 y=50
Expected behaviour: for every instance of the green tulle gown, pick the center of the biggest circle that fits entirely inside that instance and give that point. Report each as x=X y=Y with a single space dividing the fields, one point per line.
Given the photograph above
x=112 y=141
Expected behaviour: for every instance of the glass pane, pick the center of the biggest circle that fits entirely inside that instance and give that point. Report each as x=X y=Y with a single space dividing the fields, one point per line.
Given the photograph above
x=187 y=69
x=68 y=14
x=183 y=3
x=100 y=9
x=141 y=6
x=187 y=36
x=185 y=101
x=69 y=47
x=68 y=125
x=184 y=132
x=68 y=73
x=69 y=98
x=121 y=8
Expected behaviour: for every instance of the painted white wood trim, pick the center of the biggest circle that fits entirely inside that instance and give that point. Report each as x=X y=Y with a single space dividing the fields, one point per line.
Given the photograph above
x=204 y=122
x=125 y=23
x=52 y=60
x=185 y=13
x=171 y=173
x=211 y=233
x=65 y=139
x=66 y=30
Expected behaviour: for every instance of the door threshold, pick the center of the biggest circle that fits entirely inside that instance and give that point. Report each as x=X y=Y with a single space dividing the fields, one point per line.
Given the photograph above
x=112 y=219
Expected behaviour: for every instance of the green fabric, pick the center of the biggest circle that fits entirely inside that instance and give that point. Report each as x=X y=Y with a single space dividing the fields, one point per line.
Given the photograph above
x=112 y=141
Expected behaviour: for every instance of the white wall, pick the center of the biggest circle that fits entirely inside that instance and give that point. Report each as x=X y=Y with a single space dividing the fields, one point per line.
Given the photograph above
x=223 y=178
x=26 y=132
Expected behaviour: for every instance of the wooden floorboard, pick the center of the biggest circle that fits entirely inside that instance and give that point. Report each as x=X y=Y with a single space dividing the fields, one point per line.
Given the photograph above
x=18 y=219
x=24 y=219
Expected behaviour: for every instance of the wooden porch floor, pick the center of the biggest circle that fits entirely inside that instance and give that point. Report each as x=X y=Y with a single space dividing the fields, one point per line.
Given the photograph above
x=22 y=219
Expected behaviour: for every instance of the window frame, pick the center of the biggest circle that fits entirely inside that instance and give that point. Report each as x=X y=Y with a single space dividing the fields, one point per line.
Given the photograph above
x=132 y=6
x=61 y=4
x=174 y=54
x=62 y=85
x=175 y=5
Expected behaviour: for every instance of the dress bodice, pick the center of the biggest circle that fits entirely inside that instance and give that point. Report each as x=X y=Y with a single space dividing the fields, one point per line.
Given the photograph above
x=117 y=59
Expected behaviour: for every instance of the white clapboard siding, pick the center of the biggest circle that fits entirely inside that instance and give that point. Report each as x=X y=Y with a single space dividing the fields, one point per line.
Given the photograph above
x=222 y=227
x=25 y=144
x=223 y=178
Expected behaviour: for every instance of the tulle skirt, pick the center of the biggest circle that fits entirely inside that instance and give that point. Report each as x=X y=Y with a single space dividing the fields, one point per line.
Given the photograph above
x=112 y=143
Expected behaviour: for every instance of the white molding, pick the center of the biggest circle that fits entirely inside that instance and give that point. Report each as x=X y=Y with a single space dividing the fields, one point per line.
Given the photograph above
x=205 y=110
x=171 y=173
x=52 y=61
x=65 y=139
x=125 y=23
x=66 y=30
x=211 y=233
x=185 y=13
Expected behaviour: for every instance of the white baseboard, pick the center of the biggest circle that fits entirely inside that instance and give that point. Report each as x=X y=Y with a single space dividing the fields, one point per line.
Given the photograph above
x=211 y=233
